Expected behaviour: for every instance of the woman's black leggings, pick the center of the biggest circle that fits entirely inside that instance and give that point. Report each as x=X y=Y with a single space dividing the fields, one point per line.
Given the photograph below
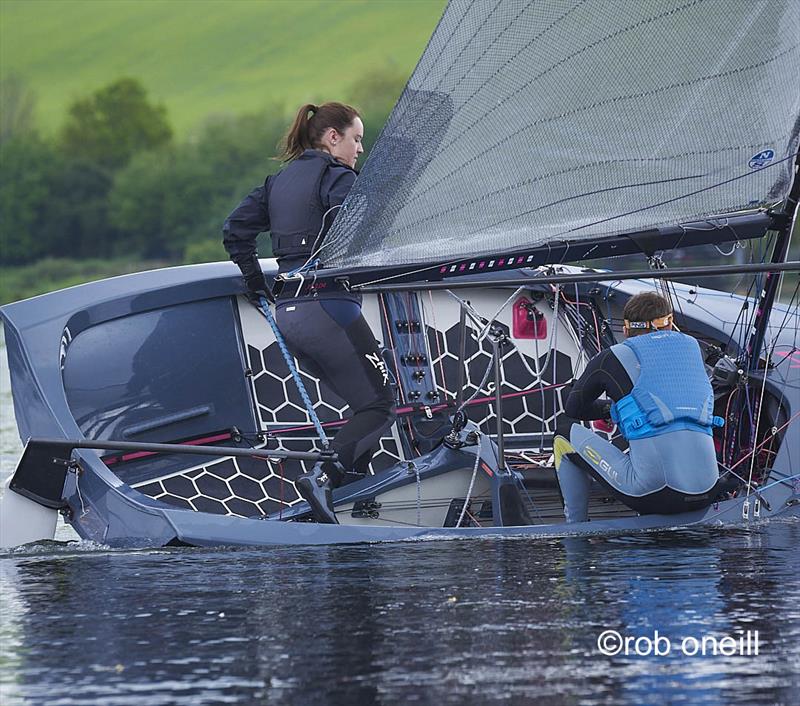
x=333 y=341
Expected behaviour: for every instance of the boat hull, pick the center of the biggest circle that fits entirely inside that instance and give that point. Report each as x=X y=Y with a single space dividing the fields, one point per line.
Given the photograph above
x=180 y=356
x=107 y=516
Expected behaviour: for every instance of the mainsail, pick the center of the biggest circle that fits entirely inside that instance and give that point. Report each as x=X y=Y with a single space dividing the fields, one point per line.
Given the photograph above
x=528 y=122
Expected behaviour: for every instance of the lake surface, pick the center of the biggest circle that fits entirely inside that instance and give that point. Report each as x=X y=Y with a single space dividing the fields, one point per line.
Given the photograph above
x=513 y=621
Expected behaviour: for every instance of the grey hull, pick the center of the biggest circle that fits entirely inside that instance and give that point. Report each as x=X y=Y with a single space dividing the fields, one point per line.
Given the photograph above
x=189 y=358
x=116 y=520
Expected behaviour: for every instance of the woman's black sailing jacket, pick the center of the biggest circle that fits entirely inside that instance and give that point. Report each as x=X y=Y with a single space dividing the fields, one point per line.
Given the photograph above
x=297 y=206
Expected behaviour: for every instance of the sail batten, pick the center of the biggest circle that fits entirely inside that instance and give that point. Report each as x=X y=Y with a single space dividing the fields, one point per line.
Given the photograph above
x=527 y=122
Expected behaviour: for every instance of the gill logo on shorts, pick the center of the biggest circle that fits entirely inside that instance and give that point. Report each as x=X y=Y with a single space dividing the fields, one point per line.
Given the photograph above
x=600 y=462
x=379 y=365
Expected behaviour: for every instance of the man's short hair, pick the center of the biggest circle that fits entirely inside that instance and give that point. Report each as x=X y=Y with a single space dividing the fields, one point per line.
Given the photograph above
x=642 y=310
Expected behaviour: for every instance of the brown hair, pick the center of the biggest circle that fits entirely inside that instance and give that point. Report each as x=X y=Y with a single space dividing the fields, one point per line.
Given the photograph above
x=644 y=308
x=310 y=124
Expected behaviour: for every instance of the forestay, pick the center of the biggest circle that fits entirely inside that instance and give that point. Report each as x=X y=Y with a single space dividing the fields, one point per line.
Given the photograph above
x=533 y=121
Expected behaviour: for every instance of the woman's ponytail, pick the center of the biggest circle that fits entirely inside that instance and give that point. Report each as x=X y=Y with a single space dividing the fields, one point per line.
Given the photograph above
x=298 y=138
x=310 y=124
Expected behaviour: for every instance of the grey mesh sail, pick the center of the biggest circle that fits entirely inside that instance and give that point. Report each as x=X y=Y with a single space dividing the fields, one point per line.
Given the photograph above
x=533 y=121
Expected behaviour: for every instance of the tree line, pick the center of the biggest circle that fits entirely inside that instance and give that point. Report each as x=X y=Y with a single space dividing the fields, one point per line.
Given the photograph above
x=115 y=182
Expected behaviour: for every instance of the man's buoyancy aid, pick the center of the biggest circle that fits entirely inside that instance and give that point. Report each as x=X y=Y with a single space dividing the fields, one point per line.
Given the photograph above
x=296 y=210
x=671 y=391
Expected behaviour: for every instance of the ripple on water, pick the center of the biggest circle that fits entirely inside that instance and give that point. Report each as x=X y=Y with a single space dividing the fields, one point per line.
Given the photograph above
x=510 y=621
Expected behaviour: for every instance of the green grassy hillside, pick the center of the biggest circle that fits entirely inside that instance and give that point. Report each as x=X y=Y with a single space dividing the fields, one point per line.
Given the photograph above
x=204 y=57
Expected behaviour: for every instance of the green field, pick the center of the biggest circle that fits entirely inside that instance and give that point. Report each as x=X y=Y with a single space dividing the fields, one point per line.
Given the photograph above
x=206 y=57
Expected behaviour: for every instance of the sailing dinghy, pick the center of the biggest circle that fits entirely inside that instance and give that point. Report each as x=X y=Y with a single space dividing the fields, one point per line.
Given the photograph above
x=534 y=142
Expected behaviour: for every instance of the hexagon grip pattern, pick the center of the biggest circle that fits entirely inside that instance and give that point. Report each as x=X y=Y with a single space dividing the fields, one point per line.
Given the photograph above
x=523 y=413
x=250 y=487
x=244 y=486
x=230 y=486
x=279 y=404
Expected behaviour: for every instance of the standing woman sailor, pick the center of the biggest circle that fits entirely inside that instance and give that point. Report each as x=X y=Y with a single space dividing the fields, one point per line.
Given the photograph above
x=325 y=331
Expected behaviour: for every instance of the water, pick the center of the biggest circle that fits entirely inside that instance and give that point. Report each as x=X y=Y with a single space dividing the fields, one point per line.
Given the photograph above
x=481 y=622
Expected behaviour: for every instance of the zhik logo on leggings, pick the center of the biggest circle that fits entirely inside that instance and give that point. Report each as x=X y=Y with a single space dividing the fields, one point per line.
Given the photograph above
x=379 y=365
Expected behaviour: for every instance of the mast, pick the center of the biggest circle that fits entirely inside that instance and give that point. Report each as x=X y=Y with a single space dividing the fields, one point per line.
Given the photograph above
x=780 y=253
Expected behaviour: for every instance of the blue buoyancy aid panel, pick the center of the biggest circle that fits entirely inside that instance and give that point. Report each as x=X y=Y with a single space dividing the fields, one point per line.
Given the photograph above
x=672 y=391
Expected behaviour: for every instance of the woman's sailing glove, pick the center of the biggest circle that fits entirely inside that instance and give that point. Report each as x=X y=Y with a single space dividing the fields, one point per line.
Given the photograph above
x=257 y=287
x=255 y=282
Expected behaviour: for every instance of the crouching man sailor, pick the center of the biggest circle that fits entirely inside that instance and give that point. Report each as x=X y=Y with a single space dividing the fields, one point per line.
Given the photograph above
x=663 y=405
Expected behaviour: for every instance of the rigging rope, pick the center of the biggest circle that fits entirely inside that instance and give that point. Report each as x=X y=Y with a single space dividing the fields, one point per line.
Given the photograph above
x=471 y=482
x=419 y=495
x=754 y=429
x=778 y=482
x=553 y=337
x=438 y=347
x=301 y=388
x=743 y=403
x=405 y=411
x=773 y=434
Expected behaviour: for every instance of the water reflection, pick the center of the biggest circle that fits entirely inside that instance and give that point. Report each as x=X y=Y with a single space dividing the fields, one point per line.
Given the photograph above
x=433 y=622
x=510 y=622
